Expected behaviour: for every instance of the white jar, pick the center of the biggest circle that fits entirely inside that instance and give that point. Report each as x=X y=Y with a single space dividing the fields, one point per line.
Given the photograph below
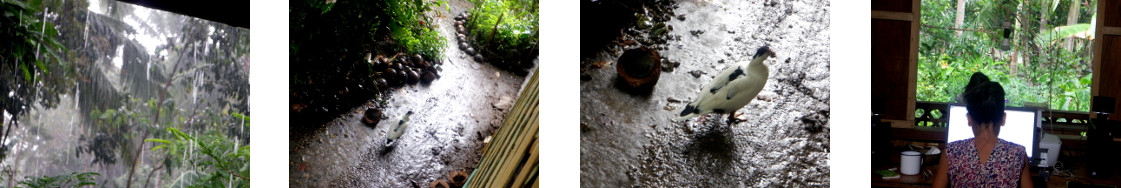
x=909 y=162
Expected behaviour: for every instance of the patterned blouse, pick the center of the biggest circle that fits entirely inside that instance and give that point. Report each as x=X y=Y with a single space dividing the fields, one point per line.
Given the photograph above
x=1003 y=168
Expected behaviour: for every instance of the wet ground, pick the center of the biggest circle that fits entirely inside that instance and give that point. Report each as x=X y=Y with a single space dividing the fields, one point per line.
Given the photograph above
x=631 y=141
x=452 y=116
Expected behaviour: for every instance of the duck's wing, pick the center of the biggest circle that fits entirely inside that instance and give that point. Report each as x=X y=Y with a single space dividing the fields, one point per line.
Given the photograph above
x=721 y=80
x=747 y=85
x=737 y=82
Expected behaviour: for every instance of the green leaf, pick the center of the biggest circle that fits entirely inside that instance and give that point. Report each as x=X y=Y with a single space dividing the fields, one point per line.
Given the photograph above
x=39 y=64
x=158 y=147
x=1062 y=32
x=108 y=114
x=20 y=5
x=26 y=73
x=241 y=117
x=157 y=140
x=1055 y=4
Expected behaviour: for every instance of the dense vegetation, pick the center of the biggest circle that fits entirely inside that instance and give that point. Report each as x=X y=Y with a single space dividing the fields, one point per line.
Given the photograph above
x=506 y=32
x=30 y=52
x=328 y=44
x=124 y=96
x=66 y=180
x=1038 y=50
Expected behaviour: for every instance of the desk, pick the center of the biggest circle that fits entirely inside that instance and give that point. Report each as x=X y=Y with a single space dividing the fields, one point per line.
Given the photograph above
x=1080 y=175
x=925 y=178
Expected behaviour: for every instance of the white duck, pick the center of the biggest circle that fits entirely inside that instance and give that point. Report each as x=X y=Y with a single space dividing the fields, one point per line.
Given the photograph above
x=732 y=89
x=396 y=131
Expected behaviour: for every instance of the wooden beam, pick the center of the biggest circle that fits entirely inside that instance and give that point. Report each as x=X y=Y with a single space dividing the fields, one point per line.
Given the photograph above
x=926 y=134
x=1104 y=9
x=1111 y=31
x=900 y=123
x=889 y=15
x=895 y=52
x=1096 y=62
x=913 y=73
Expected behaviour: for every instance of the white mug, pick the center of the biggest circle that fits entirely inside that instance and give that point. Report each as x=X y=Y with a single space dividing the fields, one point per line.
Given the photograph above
x=909 y=162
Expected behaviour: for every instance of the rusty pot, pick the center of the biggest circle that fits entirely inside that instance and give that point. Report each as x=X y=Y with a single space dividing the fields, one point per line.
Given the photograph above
x=372 y=116
x=439 y=183
x=458 y=178
x=639 y=68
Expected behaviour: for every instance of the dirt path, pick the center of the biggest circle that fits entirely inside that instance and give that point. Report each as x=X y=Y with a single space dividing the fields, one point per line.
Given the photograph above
x=452 y=117
x=630 y=140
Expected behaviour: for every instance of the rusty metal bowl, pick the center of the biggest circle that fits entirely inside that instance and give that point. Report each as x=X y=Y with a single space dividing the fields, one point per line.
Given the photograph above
x=458 y=178
x=639 y=68
x=372 y=116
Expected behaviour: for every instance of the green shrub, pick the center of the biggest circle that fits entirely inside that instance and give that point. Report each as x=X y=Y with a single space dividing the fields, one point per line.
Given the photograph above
x=505 y=30
x=219 y=165
x=74 y=179
x=412 y=30
x=1034 y=68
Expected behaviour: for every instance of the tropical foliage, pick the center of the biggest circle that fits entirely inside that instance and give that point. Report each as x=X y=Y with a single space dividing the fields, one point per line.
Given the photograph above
x=75 y=179
x=413 y=31
x=33 y=69
x=128 y=96
x=332 y=26
x=217 y=160
x=507 y=30
x=1021 y=44
x=329 y=43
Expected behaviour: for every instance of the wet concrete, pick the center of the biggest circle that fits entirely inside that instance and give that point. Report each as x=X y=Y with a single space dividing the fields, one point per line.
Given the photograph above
x=630 y=140
x=452 y=116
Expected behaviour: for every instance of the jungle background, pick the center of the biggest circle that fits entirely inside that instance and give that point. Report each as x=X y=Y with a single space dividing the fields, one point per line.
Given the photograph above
x=1040 y=51
x=116 y=95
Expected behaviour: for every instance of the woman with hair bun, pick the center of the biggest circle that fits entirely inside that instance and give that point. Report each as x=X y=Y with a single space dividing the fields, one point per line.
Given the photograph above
x=984 y=160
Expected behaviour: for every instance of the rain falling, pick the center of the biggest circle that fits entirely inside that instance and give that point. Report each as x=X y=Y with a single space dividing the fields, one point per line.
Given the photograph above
x=112 y=94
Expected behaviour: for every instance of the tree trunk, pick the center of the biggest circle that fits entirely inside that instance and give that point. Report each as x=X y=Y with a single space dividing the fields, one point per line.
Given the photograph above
x=1043 y=15
x=960 y=19
x=1072 y=18
x=1014 y=59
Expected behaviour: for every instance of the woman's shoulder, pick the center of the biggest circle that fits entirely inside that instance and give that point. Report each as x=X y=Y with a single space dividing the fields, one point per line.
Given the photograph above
x=1011 y=145
x=959 y=143
x=954 y=147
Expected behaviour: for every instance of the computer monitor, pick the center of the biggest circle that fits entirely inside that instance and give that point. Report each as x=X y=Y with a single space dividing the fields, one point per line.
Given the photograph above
x=1020 y=127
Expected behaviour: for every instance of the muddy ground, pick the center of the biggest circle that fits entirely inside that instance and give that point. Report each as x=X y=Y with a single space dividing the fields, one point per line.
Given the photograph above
x=452 y=117
x=630 y=140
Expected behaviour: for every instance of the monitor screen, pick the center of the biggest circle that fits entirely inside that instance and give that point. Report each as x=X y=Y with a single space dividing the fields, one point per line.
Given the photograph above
x=1019 y=127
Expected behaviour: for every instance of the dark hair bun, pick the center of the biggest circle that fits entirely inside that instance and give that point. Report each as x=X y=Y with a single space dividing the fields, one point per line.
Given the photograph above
x=984 y=99
x=978 y=78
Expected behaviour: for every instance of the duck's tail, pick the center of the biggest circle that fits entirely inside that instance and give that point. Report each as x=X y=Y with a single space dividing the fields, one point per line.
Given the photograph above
x=690 y=111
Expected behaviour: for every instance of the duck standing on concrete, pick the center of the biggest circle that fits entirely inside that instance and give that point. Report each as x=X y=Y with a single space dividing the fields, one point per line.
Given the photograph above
x=396 y=131
x=732 y=89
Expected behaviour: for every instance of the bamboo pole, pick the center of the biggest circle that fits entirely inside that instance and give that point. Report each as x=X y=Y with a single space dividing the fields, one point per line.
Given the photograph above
x=510 y=159
x=528 y=167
